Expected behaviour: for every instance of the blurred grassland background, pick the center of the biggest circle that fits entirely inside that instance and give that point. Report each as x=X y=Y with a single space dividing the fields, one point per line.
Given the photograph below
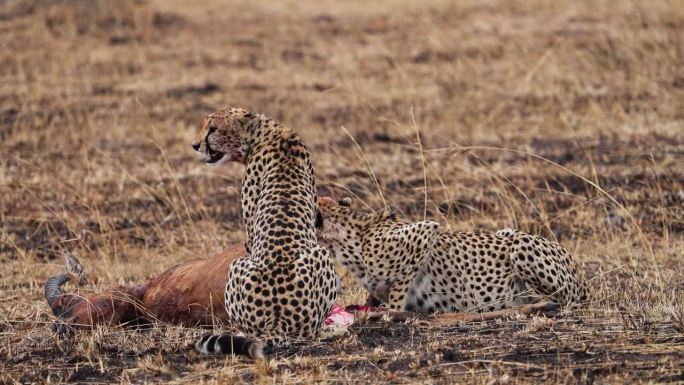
x=563 y=118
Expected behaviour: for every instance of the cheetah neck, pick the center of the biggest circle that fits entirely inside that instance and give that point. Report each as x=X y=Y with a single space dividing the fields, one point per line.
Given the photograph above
x=263 y=131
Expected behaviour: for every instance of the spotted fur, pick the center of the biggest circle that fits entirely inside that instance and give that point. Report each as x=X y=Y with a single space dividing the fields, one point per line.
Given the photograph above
x=454 y=271
x=285 y=285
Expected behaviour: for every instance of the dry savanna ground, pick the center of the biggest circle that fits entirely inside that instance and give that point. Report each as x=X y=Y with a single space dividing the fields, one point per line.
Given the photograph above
x=564 y=118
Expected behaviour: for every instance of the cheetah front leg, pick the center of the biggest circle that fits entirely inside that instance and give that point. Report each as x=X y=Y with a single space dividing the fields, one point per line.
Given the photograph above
x=397 y=293
x=410 y=244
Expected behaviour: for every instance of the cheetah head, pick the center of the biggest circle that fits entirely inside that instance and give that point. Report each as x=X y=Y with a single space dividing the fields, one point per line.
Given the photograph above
x=350 y=234
x=343 y=230
x=224 y=135
x=335 y=220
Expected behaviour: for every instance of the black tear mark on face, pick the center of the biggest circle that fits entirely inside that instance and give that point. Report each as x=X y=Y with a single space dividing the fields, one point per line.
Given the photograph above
x=212 y=129
x=214 y=156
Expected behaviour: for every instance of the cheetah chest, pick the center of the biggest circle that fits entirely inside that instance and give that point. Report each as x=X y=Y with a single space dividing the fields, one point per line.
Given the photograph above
x=372 y=280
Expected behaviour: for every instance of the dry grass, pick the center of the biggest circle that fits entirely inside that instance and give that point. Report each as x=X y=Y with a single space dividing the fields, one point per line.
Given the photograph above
x=560 y=117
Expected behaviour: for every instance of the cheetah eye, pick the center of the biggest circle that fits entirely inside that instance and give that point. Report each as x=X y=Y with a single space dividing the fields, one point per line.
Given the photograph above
x=211 y=130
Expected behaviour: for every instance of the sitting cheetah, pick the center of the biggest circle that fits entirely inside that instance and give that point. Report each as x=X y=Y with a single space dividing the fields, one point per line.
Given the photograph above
x=284 y=286
x=446 y=271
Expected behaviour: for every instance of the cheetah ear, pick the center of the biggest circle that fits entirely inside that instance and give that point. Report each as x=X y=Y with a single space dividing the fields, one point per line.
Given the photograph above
x=345 y=202
x=251 y=121
x=420 y=235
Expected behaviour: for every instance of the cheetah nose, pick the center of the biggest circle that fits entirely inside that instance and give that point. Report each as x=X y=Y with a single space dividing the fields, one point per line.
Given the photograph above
x=195 y=146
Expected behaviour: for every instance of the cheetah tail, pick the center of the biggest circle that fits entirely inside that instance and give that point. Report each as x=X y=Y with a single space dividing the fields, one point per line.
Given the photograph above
x=230 y=344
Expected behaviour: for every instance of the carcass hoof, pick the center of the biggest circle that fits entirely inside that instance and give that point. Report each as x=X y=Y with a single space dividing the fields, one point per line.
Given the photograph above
x=61 y=329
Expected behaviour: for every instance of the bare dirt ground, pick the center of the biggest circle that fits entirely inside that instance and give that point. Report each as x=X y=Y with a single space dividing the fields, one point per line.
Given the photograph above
x=564 y=118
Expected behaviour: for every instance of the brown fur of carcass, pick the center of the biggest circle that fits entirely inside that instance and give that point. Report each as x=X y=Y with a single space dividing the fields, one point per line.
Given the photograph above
x=188 y=294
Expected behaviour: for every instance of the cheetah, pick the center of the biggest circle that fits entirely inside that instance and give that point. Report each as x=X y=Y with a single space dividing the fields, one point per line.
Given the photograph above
x=285 y=285
x=448 y=271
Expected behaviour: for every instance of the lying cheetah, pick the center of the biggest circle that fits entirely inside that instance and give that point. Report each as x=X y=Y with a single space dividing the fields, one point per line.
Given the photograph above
x=446 y=271
x=285 y=285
